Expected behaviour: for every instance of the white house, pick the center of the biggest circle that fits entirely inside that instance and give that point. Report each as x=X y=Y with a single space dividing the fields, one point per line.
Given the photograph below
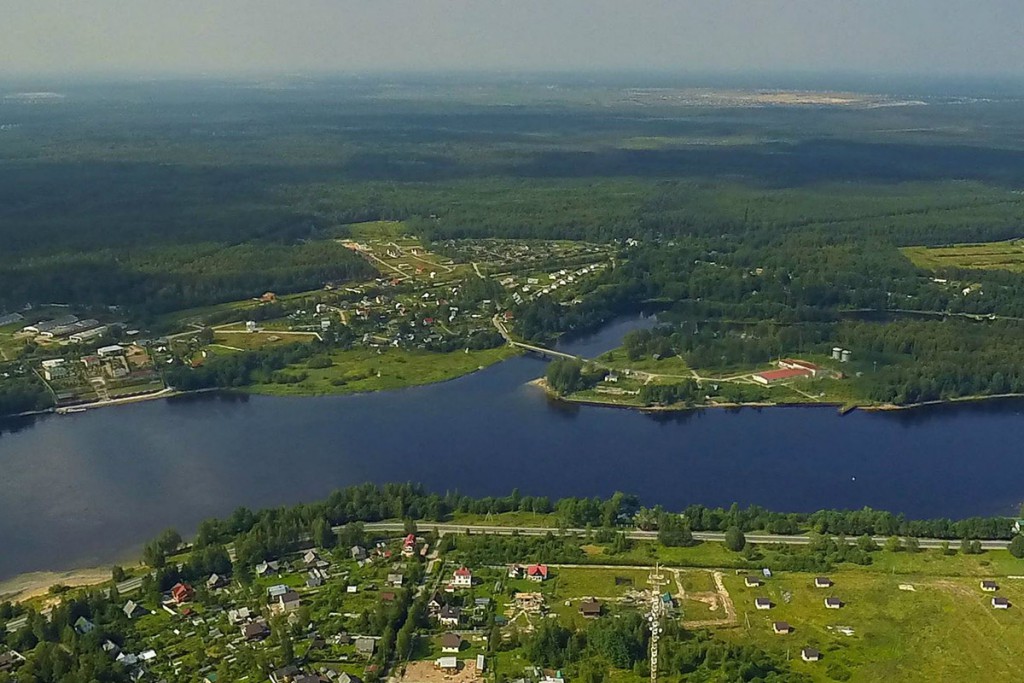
x=462 y=578
x=809 y=654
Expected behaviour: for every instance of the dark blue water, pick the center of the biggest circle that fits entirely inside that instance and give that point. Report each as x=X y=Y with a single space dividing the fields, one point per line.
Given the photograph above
x=92 y=487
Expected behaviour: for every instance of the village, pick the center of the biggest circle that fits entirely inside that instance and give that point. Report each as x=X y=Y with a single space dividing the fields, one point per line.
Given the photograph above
x=326 y=614
x=420 y=303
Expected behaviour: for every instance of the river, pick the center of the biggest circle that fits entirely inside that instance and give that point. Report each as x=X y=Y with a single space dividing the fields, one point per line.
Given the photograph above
x=90 y=488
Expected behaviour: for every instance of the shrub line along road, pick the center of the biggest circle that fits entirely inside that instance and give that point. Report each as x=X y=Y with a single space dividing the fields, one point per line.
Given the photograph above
x=639 y=535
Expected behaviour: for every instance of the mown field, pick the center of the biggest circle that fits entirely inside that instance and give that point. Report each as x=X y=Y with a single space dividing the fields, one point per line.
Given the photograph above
x=986 y=256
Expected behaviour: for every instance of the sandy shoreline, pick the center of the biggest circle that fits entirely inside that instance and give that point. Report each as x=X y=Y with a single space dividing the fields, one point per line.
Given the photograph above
x=36 y=584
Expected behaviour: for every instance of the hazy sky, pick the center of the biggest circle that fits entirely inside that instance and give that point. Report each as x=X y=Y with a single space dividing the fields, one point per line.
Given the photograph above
x=214 y=36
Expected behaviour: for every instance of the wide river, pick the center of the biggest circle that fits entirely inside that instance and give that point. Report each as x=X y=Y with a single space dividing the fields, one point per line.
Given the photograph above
x=92 y=487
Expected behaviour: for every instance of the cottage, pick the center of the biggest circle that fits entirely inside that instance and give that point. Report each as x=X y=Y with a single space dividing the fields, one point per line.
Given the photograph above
x=257 y=630
x=782 y=628
x=358 y=553
x=10 y=660
x=277 y=590
x=451 y=642
x=286 y=674
x=387 y=597
x=809 y=654
x=833 y=603
x=462 y=578
x=537 y=572
x=289 y=602
x=450 y=616
x=133 y=610
x=822 y=582
x=989 y=586
x=762 y=603
x=111 y=649
x=348 y=678
x=481 y=664
x=448 y=664
x=590 y=608
x=515 y=571
x=395 y=580
x=311 y=559
x=409 y=545
x=314 y=581
x=267 y=568
x=751 y=581
x=216 y=581
x=1000 y=603
x=366 y=646
x=83 y=626
x=435 y=604
x=238 y=616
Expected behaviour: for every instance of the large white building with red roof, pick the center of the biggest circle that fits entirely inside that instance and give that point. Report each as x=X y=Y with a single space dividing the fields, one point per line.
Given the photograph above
x=462 y=578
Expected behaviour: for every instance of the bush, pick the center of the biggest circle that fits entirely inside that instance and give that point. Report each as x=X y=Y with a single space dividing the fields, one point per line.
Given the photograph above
x=734 y=539
x=319 y=362
x=1017 y=546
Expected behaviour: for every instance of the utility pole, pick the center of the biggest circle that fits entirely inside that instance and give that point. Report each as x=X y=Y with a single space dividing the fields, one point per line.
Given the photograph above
x=656 y=580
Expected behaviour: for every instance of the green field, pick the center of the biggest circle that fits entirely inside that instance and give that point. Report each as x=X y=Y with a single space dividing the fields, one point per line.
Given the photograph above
x=361 y=370
x=674 y=366
x=943 y=630
x=247 y=341
x=984 y=256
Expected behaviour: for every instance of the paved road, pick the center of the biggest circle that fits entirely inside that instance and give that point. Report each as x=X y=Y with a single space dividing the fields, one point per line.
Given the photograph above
x=637 y=534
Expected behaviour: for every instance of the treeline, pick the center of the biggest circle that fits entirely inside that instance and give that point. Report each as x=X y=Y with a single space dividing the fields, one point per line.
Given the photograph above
x=22 y=394
x=166 y=279
x=240 y=369
x=590 y=653
x=58 y=653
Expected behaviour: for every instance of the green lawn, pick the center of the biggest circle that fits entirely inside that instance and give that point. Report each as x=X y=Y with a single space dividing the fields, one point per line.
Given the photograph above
x=600 y=582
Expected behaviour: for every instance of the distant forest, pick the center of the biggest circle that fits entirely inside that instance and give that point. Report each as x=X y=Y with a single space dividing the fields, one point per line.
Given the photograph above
x=762 y=231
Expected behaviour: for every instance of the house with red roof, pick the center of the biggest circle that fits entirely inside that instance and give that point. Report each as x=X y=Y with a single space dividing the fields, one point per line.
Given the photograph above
x=409 y=545
x=537 y=572
x=462 y=578
x=182 y=592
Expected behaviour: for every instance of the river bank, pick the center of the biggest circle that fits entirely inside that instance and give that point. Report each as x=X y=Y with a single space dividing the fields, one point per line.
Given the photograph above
x=843 y=408
x=32 y=585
